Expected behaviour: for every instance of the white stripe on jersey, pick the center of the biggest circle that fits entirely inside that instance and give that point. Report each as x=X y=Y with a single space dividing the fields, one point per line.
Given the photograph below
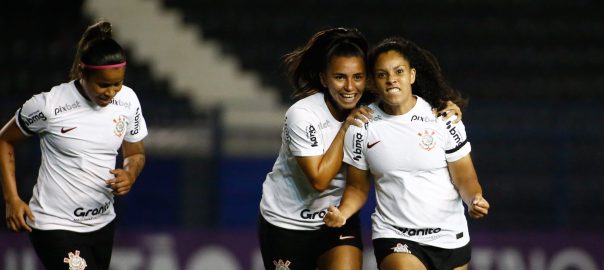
x=288 y=199
x=79 y=141
x=407 y=156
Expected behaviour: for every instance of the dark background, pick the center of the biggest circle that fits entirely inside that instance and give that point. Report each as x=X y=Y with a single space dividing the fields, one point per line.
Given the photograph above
x=531 y=70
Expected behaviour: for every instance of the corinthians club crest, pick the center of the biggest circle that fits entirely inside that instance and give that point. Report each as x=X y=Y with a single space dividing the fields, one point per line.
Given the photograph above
x=75 y=261
x=426 y=139
x=280 y=265
x=121 y=122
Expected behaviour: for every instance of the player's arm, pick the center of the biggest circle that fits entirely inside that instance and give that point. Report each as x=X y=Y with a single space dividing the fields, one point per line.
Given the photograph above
x=465 y=179
x=16 y=209
x=134 y=161
x=320 y=170
x=354 y=197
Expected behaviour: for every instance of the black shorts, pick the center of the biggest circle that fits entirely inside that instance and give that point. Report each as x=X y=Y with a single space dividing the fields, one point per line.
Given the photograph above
x=433 y=258
x=300 y=250
x=57 y=249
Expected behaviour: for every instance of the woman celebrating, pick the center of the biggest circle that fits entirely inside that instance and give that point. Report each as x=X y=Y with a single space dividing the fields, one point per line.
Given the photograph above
x=421 y=165
x=81 y=124
x=329 y=76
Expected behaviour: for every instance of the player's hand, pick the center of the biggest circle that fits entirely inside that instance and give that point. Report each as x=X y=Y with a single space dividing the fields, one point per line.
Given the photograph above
x=450 y=110
x=479 y=207
x=16 y=211
x=122 y=183
x=334 y=218
x=358 y=117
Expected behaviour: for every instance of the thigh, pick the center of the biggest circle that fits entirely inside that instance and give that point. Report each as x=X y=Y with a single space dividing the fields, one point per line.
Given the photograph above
x=342 y=248
x=463 y=267
x=401 y=261
x=345 y=257
x=58 y=249
x=392 y=253
x=62 y=250
x=287 y=249
x=103 y=245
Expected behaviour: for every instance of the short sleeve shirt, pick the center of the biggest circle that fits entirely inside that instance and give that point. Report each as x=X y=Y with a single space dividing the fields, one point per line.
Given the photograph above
x=79 y=141
x=407 y=156
x=288 y=199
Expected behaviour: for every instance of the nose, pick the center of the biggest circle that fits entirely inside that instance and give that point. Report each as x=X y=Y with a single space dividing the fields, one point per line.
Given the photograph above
x=349 y=85
x=112 y=91
x=391 y=80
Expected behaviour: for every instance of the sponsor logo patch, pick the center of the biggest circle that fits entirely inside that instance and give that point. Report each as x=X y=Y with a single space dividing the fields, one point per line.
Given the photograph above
x=34 y=117
x=67 y=107
x=311 y=133
x=137 y=122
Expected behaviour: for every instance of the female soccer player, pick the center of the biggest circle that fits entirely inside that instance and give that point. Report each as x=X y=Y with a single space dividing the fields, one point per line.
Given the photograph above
x=329 y=76
x=421 y=166
x=81 y=124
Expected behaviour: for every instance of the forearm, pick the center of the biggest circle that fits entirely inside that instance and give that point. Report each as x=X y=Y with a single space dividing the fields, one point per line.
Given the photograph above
x=352 y=201
x=468 y=189
x=7 y=163
x=134 y=164
x=330 y=163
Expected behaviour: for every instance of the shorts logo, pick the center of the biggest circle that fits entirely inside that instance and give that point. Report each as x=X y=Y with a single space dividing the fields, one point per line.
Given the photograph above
x=280 y=265
x=426 y=139
x=75 y=261
x=342 y=237
x=400 y=248
x=120 y=125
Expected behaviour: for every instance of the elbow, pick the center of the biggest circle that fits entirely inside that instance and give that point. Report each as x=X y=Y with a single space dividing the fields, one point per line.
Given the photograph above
x=320 y=185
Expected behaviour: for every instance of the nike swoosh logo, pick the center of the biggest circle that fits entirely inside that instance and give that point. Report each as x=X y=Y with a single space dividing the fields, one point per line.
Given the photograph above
x=346 y=237
x=372 y=144
x=65 y=130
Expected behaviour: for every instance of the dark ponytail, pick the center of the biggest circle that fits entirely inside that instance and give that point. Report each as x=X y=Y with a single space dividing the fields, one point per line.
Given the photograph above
x=96 y=47
x=304 y=64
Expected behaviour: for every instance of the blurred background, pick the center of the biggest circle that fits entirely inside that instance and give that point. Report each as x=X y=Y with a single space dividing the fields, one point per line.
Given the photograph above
x=210 y=80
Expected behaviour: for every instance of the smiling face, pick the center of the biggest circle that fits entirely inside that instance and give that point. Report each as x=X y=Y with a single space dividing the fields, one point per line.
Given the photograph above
x=101 y=86
x=393 y=77
x=344 y=79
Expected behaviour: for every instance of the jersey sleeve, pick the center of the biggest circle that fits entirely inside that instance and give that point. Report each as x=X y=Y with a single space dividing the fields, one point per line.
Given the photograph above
x=456 y=139
x=137 y=127
x=355 y=145
x=32 y=117
x=302 y=133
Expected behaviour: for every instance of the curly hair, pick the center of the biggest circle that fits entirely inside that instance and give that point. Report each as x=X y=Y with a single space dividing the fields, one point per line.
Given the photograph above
x=430 y=83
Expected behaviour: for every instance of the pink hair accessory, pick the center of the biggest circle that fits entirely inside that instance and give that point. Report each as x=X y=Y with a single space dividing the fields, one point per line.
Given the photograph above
x=103 y=66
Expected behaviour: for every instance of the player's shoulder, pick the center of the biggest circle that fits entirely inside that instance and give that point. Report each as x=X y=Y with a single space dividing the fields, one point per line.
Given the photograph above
x=307 y=107
x=55 y=95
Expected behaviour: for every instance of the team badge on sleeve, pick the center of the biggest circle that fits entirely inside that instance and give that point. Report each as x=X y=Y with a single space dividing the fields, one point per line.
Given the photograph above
x=426 y=139
x=75 y=261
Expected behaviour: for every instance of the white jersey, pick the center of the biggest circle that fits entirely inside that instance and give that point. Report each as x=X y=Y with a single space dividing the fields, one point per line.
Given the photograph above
x=288 y=199
x=79 y=141
x=407 y=156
